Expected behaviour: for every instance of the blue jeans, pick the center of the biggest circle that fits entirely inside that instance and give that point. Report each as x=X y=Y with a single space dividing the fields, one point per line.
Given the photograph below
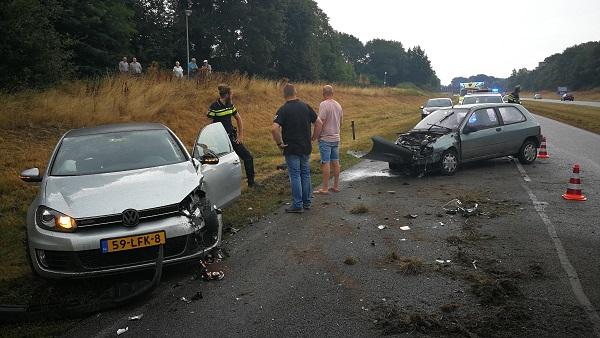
x=299 y=172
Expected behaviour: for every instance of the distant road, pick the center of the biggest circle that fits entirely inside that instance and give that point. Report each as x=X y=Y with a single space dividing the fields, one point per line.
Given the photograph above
x=577 y=103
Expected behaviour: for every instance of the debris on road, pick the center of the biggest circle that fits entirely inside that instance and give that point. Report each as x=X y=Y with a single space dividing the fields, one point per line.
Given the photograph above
x=411 y=216
x=391 y=192
x=197 y=296
x=185 y=300
x=405 y=228
x=138 y=317
x=454 y=206
x=474 y=264
x=123 y=330
x=381 y=227
x=441 y=261
x=350 y=260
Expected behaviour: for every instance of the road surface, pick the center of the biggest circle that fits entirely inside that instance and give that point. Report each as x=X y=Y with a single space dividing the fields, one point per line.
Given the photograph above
x=329 y=272
x=576 y=103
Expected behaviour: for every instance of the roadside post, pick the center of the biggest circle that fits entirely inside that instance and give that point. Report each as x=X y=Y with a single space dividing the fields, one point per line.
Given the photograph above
x=353 y=131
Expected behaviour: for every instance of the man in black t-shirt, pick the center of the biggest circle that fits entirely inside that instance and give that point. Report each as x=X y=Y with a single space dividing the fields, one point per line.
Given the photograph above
x=292 y=133
x=221 y=111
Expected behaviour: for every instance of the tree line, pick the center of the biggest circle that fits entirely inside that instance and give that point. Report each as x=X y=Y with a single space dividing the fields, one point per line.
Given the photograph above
x=47 y=41
x=578 y=67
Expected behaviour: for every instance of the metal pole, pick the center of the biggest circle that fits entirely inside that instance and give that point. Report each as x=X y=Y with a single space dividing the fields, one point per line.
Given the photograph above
x=187 y=39
x=353 y=131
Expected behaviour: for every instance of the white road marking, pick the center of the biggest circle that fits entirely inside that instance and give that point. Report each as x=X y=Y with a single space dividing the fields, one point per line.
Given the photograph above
x=580 y=295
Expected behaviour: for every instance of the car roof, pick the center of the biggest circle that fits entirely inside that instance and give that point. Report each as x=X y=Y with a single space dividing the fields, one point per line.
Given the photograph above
x=441 y=98
x=484 y=94
x=485 y=105
x=114 y=128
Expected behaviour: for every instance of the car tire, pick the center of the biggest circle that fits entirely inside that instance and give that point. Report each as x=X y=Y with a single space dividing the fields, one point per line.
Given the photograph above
x=211 y=220
x=528 y=152
x=395 y=166
x=449 y=162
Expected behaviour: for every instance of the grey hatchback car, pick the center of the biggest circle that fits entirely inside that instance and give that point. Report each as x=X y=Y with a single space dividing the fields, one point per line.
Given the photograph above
x=451 y=136
x=112 y=194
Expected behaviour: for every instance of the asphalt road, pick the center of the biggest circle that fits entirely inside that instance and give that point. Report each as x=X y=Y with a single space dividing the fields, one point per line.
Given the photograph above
x=576 y=103
x=501 y=275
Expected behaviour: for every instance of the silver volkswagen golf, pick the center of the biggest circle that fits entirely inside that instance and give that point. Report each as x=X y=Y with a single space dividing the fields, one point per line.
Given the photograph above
x=111 y=195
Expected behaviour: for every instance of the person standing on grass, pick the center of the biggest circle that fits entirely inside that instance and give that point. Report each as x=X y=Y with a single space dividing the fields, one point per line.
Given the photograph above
x=222 y=111
x=330 y=112
x=192 y=68
x=291 y=132
x=135 y=68
x=123 y=66
x=178 y=71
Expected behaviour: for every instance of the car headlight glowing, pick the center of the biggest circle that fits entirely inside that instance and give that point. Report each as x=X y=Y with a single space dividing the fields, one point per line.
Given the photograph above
x=53 y=220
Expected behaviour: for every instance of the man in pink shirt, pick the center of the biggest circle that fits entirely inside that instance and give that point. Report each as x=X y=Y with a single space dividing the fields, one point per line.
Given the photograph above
x=330 y=112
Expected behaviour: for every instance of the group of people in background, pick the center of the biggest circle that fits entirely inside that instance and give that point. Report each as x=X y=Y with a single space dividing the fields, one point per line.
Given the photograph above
x=295 y=127
x=135 y=68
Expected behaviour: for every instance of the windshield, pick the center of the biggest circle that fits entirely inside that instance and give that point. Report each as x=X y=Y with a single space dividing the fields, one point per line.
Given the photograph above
x=450 y=119
x=482 y=99
x=439 y=103
x=112 y=152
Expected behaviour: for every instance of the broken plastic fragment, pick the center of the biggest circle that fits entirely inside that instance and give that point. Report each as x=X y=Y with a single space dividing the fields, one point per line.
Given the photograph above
x=185 y=300
x=440 y=261
x=405 y=228
x=413 y=216
x=138 y=317
x=391 y=191
x=381 y=227
x=123 y=330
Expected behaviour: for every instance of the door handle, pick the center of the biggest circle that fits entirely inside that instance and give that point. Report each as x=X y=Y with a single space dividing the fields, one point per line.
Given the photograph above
x=498 y=129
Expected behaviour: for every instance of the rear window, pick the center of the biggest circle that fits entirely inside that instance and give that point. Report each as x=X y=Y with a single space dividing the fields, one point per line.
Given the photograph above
x=511 y=115
x=113 y=152
x=439 y=103
x=482 y=99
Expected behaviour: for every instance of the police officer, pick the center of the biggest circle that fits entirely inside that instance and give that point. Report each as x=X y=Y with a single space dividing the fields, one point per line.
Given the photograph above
x=221 y=111
x=514 y=96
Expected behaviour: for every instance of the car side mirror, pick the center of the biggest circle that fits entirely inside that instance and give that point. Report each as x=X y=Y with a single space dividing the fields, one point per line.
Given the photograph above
x=31 y=175
x=209 y=157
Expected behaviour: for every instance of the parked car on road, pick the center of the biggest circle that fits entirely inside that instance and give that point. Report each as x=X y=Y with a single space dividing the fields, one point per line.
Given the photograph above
x=482 y=98
x=112 y=194
x=537 y=96
x=449 y=137
x=434 y=104
x=567 y=97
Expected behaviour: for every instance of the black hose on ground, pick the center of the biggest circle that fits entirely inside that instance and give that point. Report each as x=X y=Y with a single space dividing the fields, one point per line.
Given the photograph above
x=17 y=313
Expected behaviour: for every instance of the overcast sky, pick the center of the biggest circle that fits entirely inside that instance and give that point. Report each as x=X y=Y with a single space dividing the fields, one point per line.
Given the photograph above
x=464 y=38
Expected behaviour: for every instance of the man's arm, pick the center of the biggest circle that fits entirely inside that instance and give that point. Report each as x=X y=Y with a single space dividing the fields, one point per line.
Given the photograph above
x=276 y=133
x=240 y=127
x=317 y=129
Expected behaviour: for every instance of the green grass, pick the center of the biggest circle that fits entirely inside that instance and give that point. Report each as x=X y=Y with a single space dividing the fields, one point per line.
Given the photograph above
x=583 y=117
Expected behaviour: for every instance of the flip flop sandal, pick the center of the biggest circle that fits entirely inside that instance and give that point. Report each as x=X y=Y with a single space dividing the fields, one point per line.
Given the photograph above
x=320 y=192
x=334 y=190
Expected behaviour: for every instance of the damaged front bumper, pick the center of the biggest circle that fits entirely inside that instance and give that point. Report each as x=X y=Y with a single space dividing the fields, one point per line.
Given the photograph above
x=86 y=258
x=411 y=150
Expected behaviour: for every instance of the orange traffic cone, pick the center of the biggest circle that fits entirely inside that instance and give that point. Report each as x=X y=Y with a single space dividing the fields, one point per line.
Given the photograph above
x=574 y=189
x=543 y=153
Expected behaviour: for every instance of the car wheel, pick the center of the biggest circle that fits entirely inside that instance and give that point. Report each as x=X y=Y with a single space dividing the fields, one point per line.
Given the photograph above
x=449 y=162
x=528 y=152
x=211 y=222
x=395 y=166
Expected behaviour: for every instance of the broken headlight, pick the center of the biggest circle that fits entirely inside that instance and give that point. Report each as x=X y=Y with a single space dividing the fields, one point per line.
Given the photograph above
x=51 y=219
x=191 y=206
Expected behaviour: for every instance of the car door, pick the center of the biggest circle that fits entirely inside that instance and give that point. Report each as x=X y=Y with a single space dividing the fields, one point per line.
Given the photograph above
x=222 y=181
x=513 y=130
x=481 y=141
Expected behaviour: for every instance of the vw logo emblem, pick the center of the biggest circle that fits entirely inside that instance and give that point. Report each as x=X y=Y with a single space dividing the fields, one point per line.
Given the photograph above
x=131 y=217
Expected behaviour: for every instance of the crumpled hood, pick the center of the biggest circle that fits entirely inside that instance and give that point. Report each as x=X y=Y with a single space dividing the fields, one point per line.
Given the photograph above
x=111 y=193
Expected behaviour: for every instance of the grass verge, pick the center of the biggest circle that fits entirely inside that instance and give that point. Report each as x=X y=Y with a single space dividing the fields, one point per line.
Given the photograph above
x=583 y=117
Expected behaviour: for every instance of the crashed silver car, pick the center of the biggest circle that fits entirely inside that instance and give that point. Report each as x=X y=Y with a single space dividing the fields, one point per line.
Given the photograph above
x=448 y=137
x=111 y=195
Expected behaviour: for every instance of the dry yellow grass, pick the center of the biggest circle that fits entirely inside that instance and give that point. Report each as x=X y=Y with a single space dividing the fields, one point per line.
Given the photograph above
x=32 y=122
x=579 y=116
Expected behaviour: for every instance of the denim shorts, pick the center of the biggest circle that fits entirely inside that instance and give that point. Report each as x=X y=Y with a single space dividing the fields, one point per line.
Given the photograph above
x=329 y=151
